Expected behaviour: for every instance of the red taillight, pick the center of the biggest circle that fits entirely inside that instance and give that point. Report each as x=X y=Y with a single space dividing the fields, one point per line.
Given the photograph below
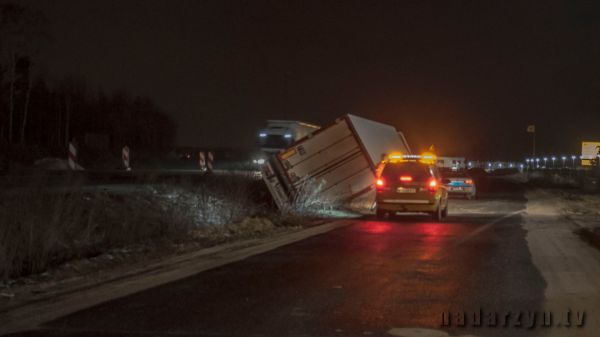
x=432 y=185
x=379 y=182
x=406 y=179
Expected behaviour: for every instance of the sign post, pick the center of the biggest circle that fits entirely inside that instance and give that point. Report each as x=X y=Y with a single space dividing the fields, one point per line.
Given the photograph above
x=531 y=129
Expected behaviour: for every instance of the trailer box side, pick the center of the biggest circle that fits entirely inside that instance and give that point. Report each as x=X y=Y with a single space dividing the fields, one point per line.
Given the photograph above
x=332 y=157
x=342 y=158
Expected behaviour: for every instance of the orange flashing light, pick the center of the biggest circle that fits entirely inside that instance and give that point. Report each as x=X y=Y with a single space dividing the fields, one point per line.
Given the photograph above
x=395 y=157
x=428 y=158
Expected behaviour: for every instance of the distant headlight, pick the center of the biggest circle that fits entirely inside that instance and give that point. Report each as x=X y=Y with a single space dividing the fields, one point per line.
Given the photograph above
x=287 y=135
x=262 y=135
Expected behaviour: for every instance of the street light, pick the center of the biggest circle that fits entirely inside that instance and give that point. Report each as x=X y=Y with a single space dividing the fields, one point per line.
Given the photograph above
x=553 y=160
x=537 y=162
x=563 y=159
x=573 y=159
x=545 y=161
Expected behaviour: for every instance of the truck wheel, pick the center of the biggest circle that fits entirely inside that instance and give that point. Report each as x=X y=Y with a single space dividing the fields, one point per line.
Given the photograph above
x=380 y=214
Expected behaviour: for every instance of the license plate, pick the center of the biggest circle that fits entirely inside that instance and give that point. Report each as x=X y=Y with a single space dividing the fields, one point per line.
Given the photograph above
x=406 y=190
x=456 y=188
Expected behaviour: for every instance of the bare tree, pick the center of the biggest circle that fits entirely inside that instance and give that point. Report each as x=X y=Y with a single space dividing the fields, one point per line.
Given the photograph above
x=26 y=104
x=12 y=64
x=21 y=31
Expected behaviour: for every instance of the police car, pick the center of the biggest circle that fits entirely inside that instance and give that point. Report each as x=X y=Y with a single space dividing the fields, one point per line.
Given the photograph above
x=460 y=183
x=410 y=183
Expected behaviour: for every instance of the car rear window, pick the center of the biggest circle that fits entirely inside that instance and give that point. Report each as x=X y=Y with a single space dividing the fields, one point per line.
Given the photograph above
x=418 y=172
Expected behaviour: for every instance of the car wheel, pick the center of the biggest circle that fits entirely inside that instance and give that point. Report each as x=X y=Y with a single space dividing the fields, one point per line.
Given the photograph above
x=437 y=214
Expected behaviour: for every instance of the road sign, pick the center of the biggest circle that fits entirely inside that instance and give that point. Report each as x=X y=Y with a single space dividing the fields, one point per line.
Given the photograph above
x=531 y=128
x=589 y=153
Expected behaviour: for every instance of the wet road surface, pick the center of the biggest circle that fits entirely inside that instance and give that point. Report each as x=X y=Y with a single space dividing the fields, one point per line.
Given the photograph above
x=360 y=280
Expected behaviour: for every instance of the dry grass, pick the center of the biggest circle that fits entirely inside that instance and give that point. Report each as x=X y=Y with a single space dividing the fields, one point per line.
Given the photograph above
x=43 y=227
x=309 y=201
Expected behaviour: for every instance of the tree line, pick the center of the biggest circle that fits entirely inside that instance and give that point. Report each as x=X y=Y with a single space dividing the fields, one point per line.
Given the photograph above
x=35 y=110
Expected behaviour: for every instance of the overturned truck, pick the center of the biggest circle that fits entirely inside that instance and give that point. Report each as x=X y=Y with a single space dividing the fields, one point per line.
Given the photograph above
x=338 y=162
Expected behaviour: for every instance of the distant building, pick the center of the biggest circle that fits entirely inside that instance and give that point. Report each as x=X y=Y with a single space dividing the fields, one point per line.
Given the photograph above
x=454 y=163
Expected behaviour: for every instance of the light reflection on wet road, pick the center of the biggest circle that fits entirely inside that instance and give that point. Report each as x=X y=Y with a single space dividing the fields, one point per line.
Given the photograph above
x=360 y=280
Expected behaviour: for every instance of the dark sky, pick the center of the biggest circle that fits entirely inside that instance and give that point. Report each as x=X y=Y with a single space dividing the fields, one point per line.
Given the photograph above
x=467 y=76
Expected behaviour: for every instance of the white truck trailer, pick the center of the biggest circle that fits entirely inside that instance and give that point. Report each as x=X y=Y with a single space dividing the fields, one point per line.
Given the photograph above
x=341 y=158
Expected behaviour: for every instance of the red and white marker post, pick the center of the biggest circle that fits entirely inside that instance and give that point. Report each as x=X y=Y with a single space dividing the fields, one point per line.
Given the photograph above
x=72 y=159
x=209 y=162
x=125 y=157
x=201 y=161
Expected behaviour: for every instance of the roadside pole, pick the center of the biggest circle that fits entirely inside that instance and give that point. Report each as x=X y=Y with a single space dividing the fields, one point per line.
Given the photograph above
x=72 y=156
x=125 y=158
x=209 y=162
x=201 y=161
x=531 y=129
x=534 y=142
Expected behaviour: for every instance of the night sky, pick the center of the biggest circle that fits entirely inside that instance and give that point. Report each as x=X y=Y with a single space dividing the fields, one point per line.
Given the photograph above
x=467 y=76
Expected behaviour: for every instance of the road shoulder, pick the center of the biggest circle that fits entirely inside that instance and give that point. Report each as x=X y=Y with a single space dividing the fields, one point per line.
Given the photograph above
x=570 y=266
x=30 y=312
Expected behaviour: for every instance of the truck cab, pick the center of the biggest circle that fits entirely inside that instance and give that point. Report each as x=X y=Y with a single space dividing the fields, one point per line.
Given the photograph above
x=280 y=134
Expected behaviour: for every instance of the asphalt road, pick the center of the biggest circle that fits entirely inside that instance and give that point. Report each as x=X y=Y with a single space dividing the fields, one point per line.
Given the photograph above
x=360 y=280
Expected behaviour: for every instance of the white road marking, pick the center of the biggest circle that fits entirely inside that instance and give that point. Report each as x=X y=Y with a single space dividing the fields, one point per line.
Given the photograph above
x=485 y=227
